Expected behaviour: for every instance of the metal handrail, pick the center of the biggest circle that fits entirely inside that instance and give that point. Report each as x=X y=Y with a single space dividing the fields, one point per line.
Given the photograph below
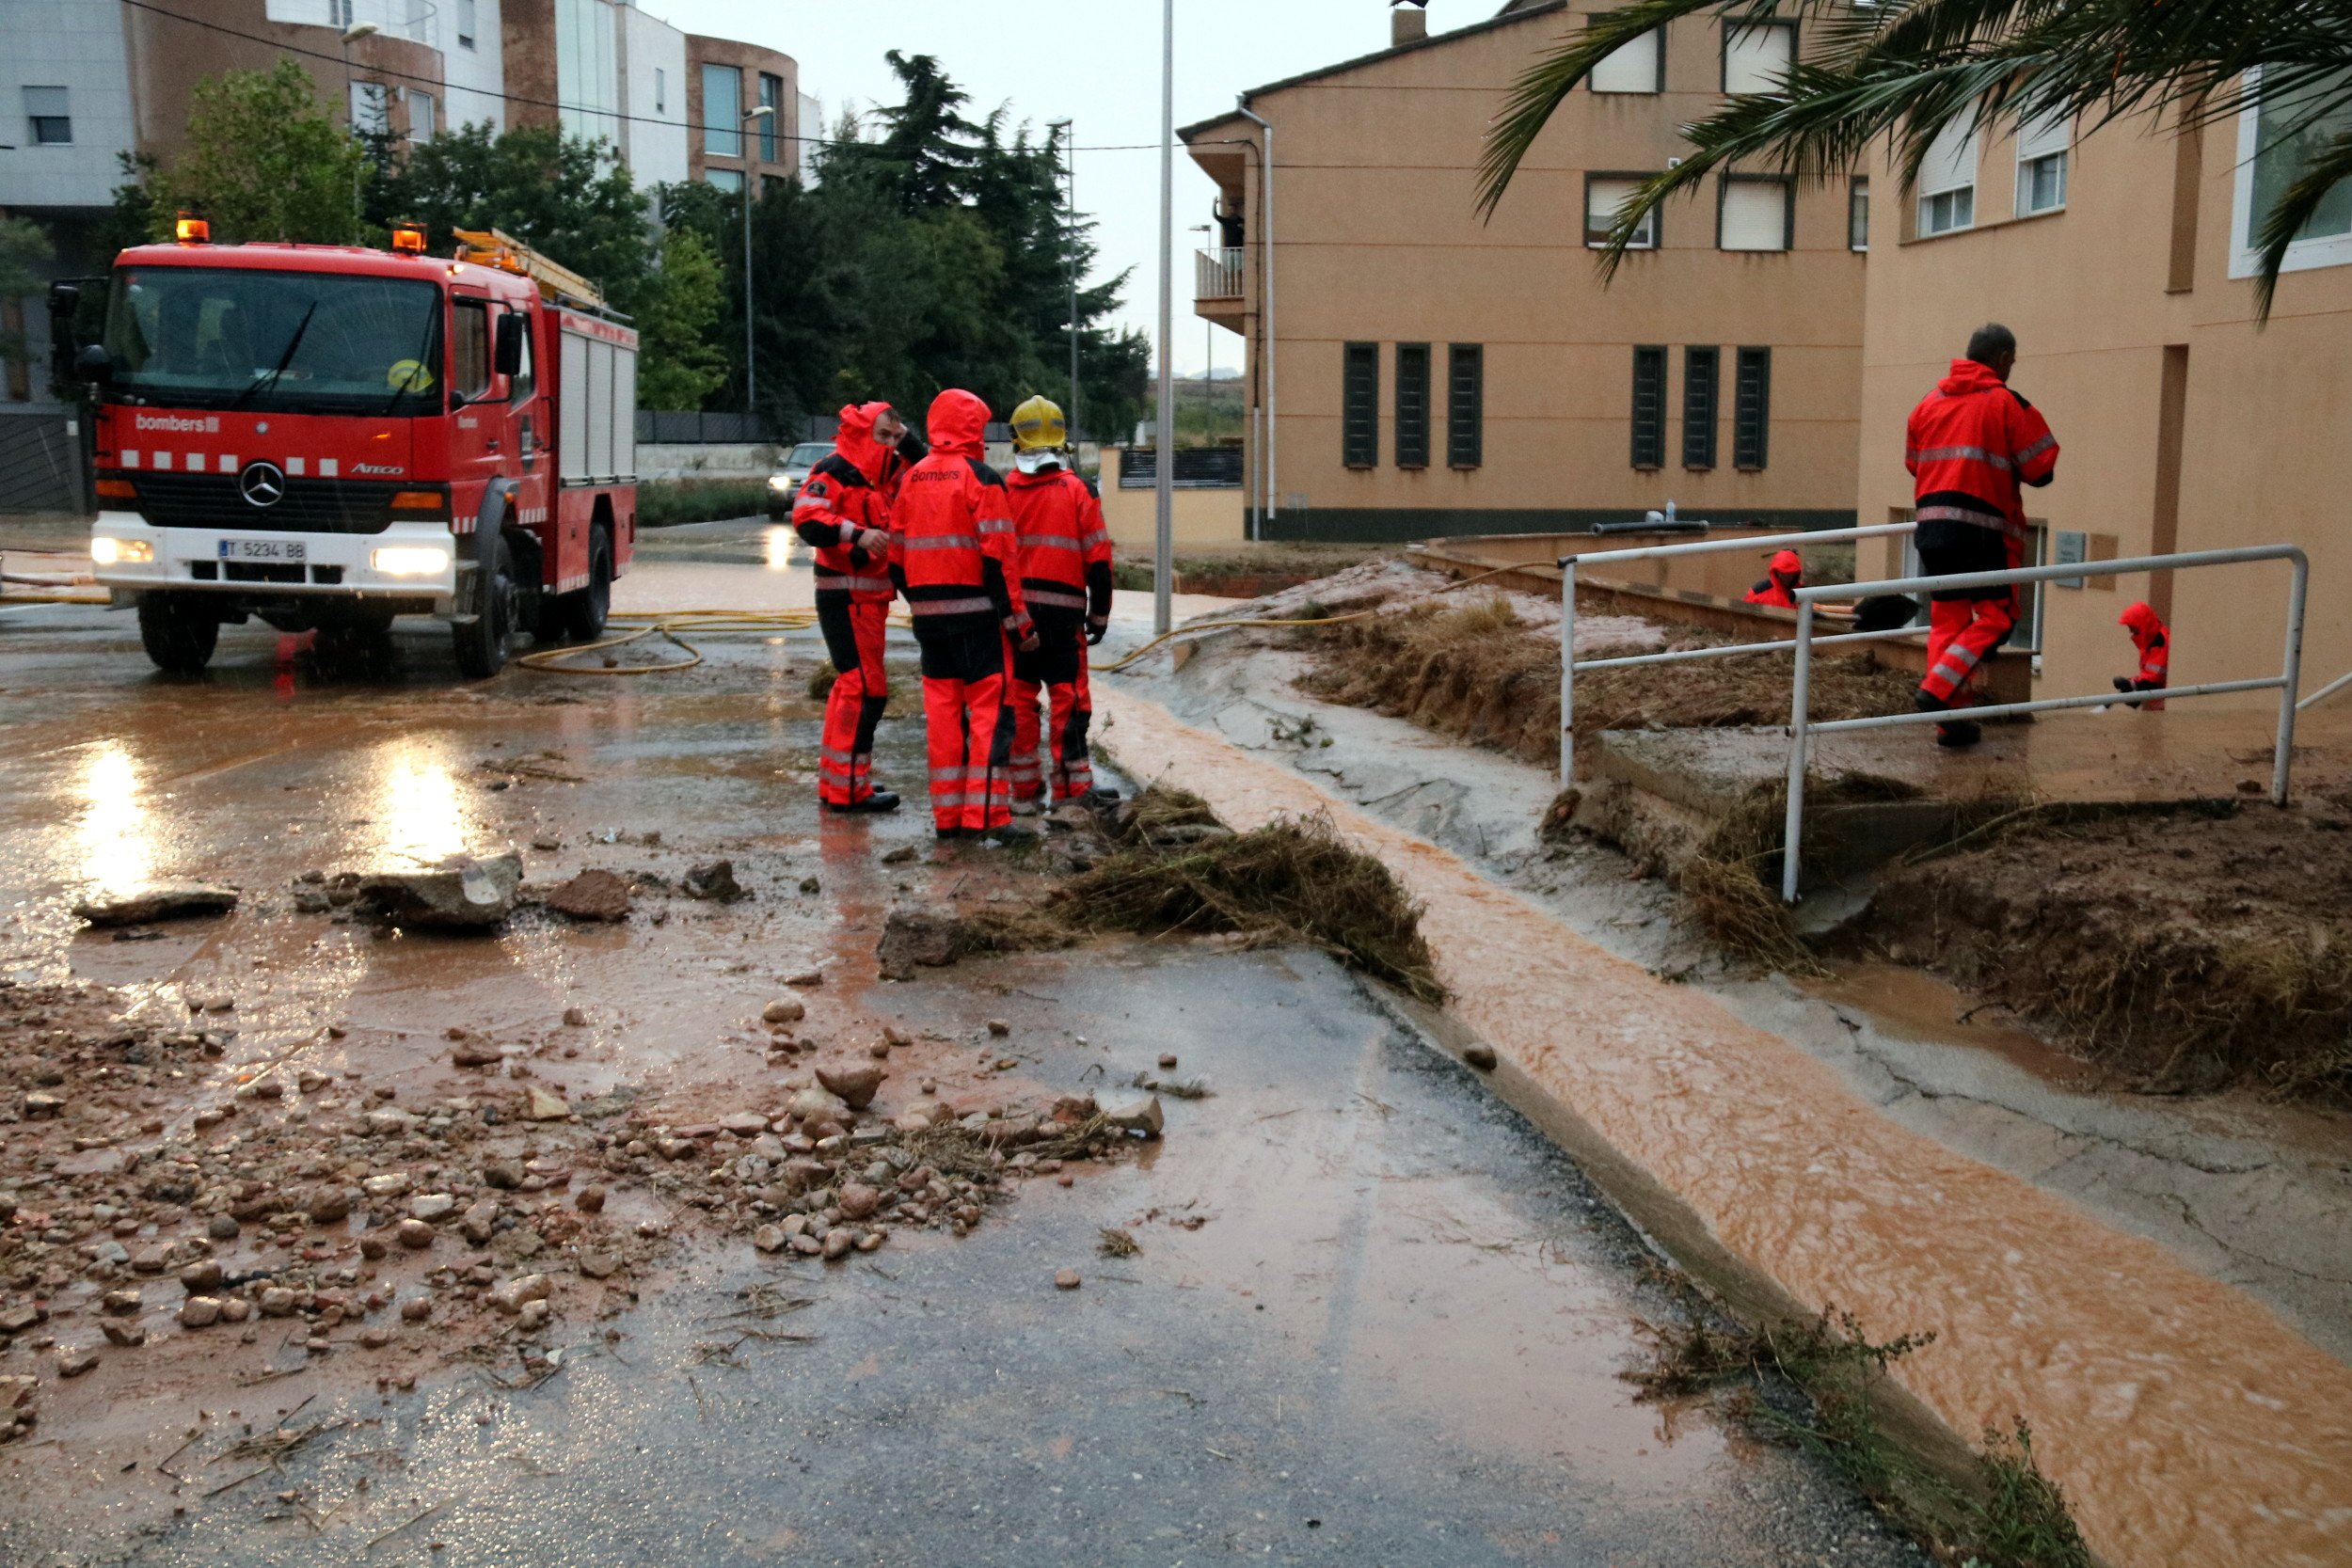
x=1802 y=729
x=1570 y=664
x=2326 y=691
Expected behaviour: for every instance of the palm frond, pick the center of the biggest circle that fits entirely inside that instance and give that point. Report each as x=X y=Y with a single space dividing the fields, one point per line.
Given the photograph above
x=2328 y=167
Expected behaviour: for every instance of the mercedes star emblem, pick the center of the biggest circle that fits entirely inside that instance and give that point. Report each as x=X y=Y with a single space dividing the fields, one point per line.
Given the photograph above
x=261 y=485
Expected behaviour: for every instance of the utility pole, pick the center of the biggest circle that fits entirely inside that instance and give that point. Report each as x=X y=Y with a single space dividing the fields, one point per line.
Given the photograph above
x=1164 y=477
x=1069 y=180
x=751 y=174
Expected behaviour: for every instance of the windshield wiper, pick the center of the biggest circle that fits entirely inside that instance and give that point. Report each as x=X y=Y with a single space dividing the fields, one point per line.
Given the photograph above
x=283 y=361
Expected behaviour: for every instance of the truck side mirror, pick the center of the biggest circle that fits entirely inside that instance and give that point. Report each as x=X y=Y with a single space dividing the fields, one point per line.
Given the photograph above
x=511 y=326
x=93 y=365
x=65 y=299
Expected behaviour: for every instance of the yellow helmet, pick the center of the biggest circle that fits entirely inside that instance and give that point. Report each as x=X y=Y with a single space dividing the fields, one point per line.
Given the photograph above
x=1037 y=426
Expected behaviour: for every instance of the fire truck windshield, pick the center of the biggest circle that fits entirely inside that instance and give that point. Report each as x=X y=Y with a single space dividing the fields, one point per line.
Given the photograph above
x=291 y=343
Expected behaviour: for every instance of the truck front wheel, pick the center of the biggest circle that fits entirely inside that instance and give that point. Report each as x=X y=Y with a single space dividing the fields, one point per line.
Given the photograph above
x=481 y=643
x=180 y=636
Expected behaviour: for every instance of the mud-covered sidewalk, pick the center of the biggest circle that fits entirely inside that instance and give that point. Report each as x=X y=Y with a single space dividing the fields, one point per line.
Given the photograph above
x=2187 y=1421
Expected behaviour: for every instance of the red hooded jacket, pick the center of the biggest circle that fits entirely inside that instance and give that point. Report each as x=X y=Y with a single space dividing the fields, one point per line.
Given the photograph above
x=1065 y=547
x=1970 y=443
x=2153 y=640
x=1782 y=578
x=844 y=495
x=951 y=542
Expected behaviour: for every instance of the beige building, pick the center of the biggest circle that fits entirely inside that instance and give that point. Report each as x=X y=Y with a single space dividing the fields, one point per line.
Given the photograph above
x=1431 y=372
x=2123 y=260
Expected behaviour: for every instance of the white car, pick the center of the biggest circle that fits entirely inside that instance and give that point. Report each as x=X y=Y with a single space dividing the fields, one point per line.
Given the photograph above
x=784 y=483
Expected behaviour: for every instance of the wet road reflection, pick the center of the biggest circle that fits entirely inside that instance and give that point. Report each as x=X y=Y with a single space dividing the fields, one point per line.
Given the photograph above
x=113 y=828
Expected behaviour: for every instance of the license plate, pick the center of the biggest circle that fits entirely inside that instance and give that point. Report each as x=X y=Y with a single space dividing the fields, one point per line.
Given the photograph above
x=286 y=550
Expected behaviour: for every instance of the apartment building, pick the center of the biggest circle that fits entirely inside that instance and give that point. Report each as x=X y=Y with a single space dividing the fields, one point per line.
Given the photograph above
x=87 y=81
x=1415 y=370
x=2123 y=261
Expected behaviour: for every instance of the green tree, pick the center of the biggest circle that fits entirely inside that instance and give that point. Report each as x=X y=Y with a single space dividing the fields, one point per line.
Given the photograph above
x=1907 y=69
x=24 y=249
x=678 y=364
x=265 y=161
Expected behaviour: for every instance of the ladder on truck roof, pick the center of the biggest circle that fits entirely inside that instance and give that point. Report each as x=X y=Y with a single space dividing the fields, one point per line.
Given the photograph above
x=497 y=248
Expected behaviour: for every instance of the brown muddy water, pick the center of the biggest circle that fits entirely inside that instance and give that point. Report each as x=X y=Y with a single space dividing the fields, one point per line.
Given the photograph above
x=2187 y=1424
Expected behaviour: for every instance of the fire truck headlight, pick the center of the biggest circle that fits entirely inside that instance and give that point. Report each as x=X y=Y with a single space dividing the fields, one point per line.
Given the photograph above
x=105 y=551
x=410 y=561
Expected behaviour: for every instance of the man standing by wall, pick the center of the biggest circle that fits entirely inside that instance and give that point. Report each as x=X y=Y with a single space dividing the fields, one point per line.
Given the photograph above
x=1066 y=582
x=953 y=554
x=1970 y=443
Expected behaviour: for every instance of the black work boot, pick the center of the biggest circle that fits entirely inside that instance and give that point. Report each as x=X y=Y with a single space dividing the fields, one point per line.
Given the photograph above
x=1958 y=735
x=880 y=800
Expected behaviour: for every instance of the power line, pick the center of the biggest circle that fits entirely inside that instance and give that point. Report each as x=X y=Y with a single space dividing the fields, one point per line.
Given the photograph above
x=444 y=84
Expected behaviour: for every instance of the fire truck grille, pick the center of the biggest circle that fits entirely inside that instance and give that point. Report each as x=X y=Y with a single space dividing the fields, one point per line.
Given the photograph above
x=309 y=505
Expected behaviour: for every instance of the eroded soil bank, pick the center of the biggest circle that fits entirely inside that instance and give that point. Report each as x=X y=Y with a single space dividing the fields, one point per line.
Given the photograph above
x=2186 y=1423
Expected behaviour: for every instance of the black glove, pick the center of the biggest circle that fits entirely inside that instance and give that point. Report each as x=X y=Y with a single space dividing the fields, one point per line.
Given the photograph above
x=1096 y=634
x=2122 y=683
x=912 y=450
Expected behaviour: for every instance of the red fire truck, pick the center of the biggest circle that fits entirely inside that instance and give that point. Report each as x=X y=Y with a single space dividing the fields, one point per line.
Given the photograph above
x=326 y=436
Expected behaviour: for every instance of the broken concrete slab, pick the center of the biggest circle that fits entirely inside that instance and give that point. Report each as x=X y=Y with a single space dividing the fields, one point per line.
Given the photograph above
x=158 y=901
x=463 y=893
x=930 y=937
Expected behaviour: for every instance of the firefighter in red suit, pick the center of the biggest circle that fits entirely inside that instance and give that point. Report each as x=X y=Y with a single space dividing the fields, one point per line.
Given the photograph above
x=1782 y=578
x=1066 y=582
x=953 y=555
x=843 y=513
x=2153 y=640
x=1970 y=444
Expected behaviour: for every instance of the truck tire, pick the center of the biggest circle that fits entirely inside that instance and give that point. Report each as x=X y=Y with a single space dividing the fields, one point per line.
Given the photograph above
x=584 y=609
x=481 y=646
x=180 y=637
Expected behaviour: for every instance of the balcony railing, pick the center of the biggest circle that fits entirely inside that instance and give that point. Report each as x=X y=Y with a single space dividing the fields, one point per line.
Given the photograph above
x=1217 y=273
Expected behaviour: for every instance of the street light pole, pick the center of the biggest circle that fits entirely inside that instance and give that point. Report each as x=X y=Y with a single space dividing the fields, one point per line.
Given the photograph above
x=352 y=35
x=751 y=363
x=1164 y=477
x=1069 y=180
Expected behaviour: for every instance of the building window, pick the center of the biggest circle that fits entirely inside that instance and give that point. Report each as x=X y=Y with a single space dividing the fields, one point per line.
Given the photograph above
x=1466 y=405
x=722 y=112
x=1603 y=194
x=661 y=91
x=724 y=179
x=1701 y=374
x=2042 y=165
x=1636 y=67
x=424 y=115
x=1412 y=406
x=1947 y=181
x=1858 y=216
x=51 y=116
x=1751 y=410
x=771 y=99
x=465 y=24
x=1754 y=213
x=1757 y=58
x=370 y=108
x=1359 y=405
x=1650 y=406
x=2276 y=139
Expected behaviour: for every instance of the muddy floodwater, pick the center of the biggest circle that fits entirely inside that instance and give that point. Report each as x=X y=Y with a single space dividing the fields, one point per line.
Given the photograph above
x=1370 y=1316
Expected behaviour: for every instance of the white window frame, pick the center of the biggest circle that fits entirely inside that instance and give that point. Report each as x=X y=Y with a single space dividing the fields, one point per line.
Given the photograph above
x=1858 y=194
x=468 y=23
x=1652 y=82
x=1786 y=190
x=2040 y=142
x=1733 y=33
x=1623 y=184
x=33 y=118
x=1974 y=174
x=424 y=106
x=2325 y=250
x=377 y=96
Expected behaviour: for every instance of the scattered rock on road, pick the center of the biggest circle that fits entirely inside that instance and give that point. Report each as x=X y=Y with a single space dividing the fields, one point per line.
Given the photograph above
x=932 y=938
x=461 y=893
x=1133 y=1113
x=1480 y=1056
x=856 y=1086
x=594 y=894
x=715 y=881
x=158 y=901
x=1066 y=1280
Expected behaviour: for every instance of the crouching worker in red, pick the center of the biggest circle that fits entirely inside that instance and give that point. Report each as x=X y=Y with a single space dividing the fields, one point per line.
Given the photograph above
x=843 y=513
x=1066 y=582
x=1970 y=444
x=1781 y=580
x=2153 y=640
x=953 y=555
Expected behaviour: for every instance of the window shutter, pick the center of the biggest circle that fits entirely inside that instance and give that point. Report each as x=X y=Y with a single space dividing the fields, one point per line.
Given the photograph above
x=1650 y=406
x=1635 y=67
x=1359 y=405
x=1700 y=370
x=1754 y=215
x=1757 y=59
x=1952 y=160
x=2040 y=138
x=1412 y=406
x=1466 y=405
x=1752 y=409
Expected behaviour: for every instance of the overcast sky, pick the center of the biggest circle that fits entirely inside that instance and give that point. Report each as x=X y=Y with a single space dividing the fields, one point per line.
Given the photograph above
x=1095 y=61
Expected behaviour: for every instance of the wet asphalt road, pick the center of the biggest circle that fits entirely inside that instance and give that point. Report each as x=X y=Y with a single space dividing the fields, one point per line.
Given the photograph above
x=1392 y=1338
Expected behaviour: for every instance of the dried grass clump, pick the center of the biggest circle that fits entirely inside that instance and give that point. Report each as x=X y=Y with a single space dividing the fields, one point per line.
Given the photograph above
x=1477 y=672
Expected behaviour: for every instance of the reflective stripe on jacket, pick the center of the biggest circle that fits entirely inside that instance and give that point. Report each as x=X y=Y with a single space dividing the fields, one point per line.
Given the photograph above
x=1065 y=546
x=952 y=548
x=844 y=494
x=1970 y=444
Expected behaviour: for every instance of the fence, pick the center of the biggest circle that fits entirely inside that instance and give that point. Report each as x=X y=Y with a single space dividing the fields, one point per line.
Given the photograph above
x=1196 y=468
x=1801 y=729
x=41 y=459
x=1570 y=664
